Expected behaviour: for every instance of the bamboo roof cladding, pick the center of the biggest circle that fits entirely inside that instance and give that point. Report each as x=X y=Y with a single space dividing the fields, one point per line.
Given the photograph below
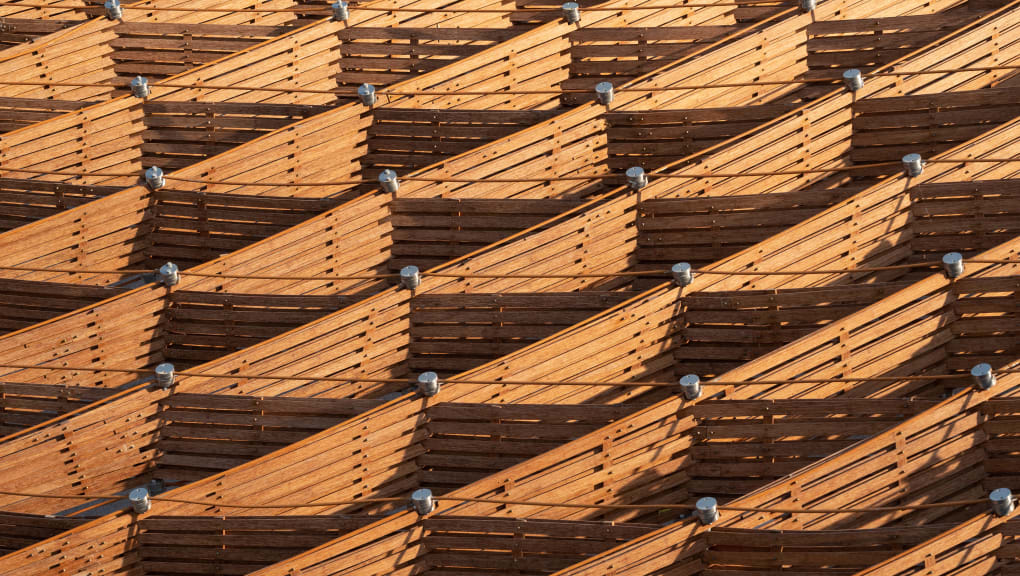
x=838 y=425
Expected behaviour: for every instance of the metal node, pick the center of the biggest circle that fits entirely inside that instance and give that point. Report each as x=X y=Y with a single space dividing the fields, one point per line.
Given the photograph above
x=422 y=501
x=367 y=94
x=113 y=9
x=341 y=11
x=388 y=181
x=913 y=165
x=807 y=5
x=953 y=264
x=410 y=277
x=691 y=386
x=139 y=87
x=165 y=375
x=683 y=274
x=154 y=177
x=1002 y=501
x=139 y=498
x=572 y=12
x=169 y=274
x=428 y=384
x=636 y=177
x=706 y=509
x=604 y=92
x=853 y=79
x=983 y=376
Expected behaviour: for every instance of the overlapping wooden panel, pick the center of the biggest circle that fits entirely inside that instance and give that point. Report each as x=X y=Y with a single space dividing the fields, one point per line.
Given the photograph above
x=965 y=217
x=468 y=442
x=24 y=303
x=407 y=139
x=382 y=56
x=24 y=405
x=183 y=545
x=158 y=50
x=201 y=434
x=868 y=43
x=22 y=530
x=452 y=333
x=886 y=129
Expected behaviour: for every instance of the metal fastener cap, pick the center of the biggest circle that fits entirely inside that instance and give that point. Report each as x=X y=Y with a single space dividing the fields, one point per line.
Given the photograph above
x=388 y=181
x=428 y=383
x=1002 y=501
x=165 y=375
x=367 y=94
x=422 y=501
x=636 y=177
x=113 y=10
x=853 y=80
x=572 y=12
x=341 y=11
x=913 y=165
x=983 y=375
x=139 y=499
x=691 y=386
x=410 y=277
x=169 y=274
x=139 y=87
x=155 y=178
x=807 y=5
x=683 y=273
x=953 y=264
x=604 y=92
x=706 y=509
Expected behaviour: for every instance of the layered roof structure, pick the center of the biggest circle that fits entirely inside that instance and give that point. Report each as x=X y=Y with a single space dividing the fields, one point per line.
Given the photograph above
x=395 y=288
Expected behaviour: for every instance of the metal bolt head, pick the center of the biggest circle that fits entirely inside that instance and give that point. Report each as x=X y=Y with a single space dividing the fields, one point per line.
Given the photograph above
x=853 y=80
x=139 y=499
x=604 y=92
x=1002 y=501
x=572 y=12
x=165 y=375
x=388 y=181
x=341 y=11
x=683 y=274
x=636 y=177
x=952 y=263
x=690 y=384
x=367 y=94
x=169 y=274
x=410 y=277
x=807 y=5
x=422 y=501
x=983 y=375
x=428 y=384
x=139 y=87
x=155 y=178
x=113 y=10
x=913 y=165
x=706 y=509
